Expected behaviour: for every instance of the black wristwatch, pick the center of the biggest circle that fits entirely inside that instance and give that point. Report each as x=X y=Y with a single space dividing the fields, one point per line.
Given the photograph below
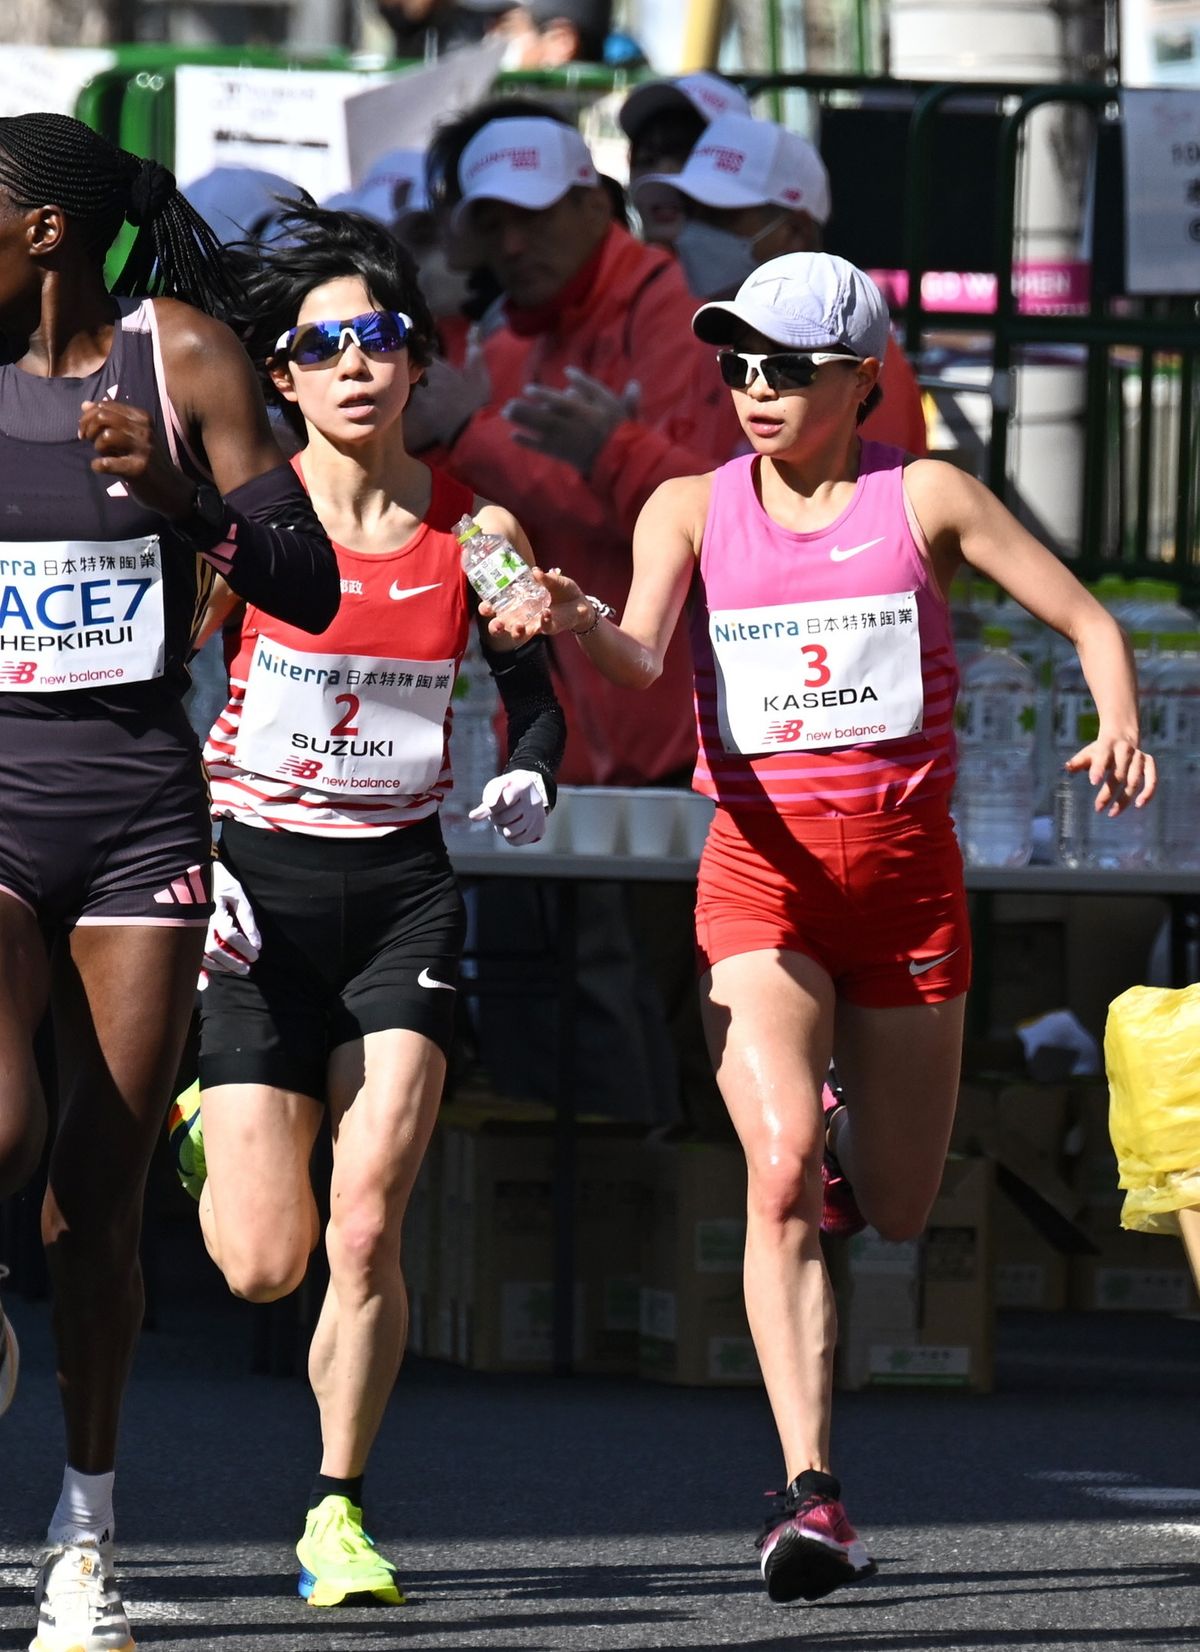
x=206 y=522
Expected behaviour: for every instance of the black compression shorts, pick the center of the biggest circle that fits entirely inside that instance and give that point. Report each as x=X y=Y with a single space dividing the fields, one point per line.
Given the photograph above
x=357 y=937
x=104 y=822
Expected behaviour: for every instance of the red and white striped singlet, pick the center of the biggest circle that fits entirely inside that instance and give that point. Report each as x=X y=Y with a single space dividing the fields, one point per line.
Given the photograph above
x=347 y=733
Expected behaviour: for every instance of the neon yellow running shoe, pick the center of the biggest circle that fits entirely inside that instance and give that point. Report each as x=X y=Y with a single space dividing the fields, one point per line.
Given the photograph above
x=187 y=1140
x=338 y=1559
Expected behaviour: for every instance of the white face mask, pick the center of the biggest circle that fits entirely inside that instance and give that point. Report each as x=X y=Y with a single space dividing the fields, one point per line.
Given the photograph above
x=446 y=290
x=716 y=260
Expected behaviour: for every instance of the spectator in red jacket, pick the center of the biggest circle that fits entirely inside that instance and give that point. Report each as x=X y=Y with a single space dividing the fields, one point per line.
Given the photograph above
x=594 y=374
x=750 y=191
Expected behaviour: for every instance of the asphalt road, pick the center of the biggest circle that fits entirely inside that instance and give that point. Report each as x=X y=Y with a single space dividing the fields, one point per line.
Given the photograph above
x=1062 y=1512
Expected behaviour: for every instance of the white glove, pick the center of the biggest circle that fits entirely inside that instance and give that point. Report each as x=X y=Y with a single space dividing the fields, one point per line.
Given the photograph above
x=516 y=804
x=233 y=941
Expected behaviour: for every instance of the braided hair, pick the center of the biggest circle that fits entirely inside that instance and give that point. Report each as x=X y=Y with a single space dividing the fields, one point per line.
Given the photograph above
x=54 y=160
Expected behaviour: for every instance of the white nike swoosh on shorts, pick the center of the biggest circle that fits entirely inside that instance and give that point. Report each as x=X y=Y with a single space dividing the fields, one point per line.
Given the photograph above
x=398 y=592
x=427 y=980
x=914 y=968
x=838 y=555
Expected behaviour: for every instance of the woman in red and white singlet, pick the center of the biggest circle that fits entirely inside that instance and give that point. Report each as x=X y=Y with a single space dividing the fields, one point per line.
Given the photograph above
x=334 y=953
x=831 y=917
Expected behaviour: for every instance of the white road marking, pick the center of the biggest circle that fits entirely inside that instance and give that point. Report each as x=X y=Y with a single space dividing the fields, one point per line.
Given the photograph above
x=1084 y=1476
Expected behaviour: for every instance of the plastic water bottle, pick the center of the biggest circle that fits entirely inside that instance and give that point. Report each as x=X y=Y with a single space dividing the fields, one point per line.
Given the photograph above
x=499 y=573
x=1083 y=837
x=474 y=758
x=996 y=719
x=1172 y=713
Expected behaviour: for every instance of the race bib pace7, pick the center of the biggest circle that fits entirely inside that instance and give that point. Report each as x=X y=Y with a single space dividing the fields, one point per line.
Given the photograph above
x=80 y=613
x=344 y=723
x=845 y=672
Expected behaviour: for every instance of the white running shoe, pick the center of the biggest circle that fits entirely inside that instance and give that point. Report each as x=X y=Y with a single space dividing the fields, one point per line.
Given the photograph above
x=79 y=1605
x=9 y=1358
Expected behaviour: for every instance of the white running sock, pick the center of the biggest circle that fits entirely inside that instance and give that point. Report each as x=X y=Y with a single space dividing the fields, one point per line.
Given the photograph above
x=85 y=1508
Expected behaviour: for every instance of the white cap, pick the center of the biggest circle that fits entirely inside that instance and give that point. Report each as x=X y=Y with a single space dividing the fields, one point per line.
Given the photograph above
x=529 y=162
x=741 y=162
x=708 y=94
x=394 y=189
x=806 y=301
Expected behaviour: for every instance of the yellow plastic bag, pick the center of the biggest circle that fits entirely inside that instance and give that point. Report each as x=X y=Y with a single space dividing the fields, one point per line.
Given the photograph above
x=1152 y=1057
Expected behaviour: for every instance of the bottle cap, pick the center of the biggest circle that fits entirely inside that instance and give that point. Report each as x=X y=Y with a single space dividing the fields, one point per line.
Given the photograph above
x=466 y=529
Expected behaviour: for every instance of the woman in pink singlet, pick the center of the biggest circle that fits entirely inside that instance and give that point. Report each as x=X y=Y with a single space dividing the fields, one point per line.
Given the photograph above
x=831 y=917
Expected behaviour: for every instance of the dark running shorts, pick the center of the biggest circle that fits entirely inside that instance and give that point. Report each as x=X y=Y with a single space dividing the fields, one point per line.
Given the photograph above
x=104 y=822
x=357 y=937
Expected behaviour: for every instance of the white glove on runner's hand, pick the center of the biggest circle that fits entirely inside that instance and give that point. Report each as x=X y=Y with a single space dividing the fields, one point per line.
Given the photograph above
x=233 y=941
x=516 y=804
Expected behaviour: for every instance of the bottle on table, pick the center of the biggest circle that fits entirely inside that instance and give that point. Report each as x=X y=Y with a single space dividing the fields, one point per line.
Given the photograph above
x=996 y=720
x=1082 y=836
x=499 y=573
x=1172 y=714
x=474 y=752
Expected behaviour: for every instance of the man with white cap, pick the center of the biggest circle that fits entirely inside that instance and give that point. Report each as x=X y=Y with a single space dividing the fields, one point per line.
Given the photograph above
x=588 y=310
x=751 y=191
x=831 y=914
x=664 y=119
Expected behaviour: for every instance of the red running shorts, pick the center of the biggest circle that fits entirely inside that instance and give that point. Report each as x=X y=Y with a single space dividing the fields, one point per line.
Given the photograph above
x=877 y=900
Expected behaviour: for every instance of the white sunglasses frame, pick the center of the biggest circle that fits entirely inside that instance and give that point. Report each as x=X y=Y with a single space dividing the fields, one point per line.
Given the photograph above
x=281 y=343
x=755 y=358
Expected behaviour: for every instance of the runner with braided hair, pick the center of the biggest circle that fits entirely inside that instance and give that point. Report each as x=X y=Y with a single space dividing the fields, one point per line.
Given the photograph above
x=137 y=467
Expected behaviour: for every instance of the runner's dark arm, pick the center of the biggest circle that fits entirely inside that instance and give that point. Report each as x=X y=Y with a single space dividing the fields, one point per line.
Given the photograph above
x=278 y=555
x=537 y=728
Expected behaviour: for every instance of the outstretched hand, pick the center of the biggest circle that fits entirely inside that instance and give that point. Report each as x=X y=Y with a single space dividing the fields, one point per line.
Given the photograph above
x=568 y=610
x=1123 y=772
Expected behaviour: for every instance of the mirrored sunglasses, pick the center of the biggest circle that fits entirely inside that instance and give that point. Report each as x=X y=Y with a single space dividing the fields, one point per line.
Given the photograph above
x=785 y=370
x=377 y=332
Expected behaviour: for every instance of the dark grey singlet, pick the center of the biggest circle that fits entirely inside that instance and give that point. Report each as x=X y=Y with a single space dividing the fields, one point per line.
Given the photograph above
x=49 y=492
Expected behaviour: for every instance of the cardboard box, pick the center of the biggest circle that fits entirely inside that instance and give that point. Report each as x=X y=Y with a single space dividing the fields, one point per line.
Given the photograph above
x=1094 y=1171
x=693 y=1326
x=922 y=1312
x=1133 y=1273
x=494 y=1304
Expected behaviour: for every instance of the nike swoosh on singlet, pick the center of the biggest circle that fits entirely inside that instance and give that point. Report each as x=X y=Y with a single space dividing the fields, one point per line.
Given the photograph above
x=914 y=968
x=838 y=555
x=427 y=980
x=399 y=592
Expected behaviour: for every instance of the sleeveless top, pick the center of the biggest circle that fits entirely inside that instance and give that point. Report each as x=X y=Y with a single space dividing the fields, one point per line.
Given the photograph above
x=98 y=599
x=347 y=733
x=825 y=666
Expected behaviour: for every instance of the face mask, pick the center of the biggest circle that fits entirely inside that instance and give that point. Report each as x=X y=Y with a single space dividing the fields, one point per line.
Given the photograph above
x=446 y=290
x=716 y=260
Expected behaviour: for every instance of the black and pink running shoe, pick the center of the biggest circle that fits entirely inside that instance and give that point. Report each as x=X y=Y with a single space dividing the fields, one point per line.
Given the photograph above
x=808 y=1547
x=840 y=1215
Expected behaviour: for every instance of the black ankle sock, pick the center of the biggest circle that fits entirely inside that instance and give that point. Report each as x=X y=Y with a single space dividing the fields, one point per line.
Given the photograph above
x=327 y=1485
x=811 y=1482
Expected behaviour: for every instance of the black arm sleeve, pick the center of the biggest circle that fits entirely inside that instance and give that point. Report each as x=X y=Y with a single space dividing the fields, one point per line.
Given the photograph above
x=537 y=728
x=278 y=555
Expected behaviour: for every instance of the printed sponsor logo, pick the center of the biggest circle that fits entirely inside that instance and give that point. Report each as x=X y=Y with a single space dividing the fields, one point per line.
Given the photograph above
x=838 y=555
x=914 y=968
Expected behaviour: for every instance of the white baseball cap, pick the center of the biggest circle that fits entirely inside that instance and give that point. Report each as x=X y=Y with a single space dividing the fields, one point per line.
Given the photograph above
x=806 y=301
x=707 y=94
x=527 y=161
x=740 y=161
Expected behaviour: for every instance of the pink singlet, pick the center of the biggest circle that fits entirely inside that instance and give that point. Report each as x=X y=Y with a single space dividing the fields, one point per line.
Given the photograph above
x=825 y=687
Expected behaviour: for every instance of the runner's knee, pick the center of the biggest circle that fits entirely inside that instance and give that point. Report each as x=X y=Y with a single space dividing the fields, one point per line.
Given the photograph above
x=784 y=1184
x=267 y=1275
x=362 y=1241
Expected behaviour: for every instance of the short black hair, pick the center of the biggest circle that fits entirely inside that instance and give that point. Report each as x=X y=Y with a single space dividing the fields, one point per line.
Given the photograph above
x=310 y=247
